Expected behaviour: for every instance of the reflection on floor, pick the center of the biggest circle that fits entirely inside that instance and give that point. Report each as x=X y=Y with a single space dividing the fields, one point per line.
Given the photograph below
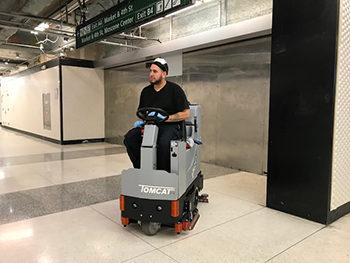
x=60 y=204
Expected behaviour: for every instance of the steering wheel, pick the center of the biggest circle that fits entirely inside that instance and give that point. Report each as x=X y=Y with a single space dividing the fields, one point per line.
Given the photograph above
x=143 y=115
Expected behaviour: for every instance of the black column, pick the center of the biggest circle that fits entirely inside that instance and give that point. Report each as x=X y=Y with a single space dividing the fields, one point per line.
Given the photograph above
x=303 y=75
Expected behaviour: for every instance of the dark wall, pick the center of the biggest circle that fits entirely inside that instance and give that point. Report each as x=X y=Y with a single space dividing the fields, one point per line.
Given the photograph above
x=303 y=59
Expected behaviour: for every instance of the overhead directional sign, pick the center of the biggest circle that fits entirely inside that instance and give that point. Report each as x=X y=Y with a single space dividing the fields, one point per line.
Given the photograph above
x=123 y=16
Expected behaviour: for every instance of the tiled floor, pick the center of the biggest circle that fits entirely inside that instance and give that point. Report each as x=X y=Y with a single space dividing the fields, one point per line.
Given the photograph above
x=59 y=204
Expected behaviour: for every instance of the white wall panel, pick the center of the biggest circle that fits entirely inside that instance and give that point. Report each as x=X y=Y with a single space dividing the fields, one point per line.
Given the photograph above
x=1 y=99
x=83 y=103
x=22 y=102
x=341 y=149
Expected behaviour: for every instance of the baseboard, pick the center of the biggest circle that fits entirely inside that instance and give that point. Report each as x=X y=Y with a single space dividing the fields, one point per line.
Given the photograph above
x=67 y=142
x=338 y=213
x=33 y=135
x=83 y=141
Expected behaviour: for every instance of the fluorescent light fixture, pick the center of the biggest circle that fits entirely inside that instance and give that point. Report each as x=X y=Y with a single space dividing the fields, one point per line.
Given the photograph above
x=39 y=28
x=153 y=21
x=177 y=12
x=34 y=32
x=42 y=27
x=117 y=44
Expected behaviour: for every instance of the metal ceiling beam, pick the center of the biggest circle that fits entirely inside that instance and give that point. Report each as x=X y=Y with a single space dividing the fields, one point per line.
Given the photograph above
x=133 y=36
x=118 y=44
x=11 y=23
x=57 y=18
x=46 y=32
x=4 y=70
x=71 y=7
x=19 y=45
x=37 y=18
x=4 y=22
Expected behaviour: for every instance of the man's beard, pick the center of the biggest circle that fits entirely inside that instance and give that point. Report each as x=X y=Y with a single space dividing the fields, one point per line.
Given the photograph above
x=157 y=81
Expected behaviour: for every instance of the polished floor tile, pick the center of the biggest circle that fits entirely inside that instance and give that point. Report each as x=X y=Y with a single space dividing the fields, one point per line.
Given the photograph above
x=69 y=175
x=34 y=203
x=79 y=235
x=81 y=169
x=152 y=257
x=220 y=209
x=229 y=230
x=342 y=223
x=246 y=186
x=255 y=237
x=22 y=182
x=48 y=200
x=329 y=245
x=13 y=171
x=56 y=156
x=96 y=190
x=19 y=178
x=17 y=144
x=110 y=209
x=59 y=203
x=211 y=170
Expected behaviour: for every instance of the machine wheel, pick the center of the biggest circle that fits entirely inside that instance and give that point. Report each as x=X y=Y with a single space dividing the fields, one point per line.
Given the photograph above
x=150 y=228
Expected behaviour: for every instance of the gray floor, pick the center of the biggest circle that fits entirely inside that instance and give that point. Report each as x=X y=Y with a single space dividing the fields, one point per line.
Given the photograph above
x=20 y=205
x=60 y=204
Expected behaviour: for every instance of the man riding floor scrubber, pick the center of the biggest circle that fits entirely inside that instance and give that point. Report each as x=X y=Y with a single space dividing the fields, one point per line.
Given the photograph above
x=153 y=197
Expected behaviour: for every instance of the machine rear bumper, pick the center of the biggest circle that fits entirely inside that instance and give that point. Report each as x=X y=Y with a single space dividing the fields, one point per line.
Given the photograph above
x=163 y=211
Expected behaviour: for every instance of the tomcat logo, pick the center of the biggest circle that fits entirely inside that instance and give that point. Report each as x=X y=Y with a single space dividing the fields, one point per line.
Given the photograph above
x=157 y=190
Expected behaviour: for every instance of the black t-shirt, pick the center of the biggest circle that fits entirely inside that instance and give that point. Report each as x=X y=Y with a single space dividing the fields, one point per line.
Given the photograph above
x=170 y=98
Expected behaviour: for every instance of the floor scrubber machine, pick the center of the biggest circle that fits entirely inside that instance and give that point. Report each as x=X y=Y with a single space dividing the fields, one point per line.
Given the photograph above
x=154 y=197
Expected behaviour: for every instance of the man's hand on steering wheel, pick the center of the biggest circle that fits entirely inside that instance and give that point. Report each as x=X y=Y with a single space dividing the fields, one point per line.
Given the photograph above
x=152 y=115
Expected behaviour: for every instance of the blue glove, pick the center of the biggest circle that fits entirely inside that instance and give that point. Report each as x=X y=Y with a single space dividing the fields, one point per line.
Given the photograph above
x=160 y=116
x=198 y=142
x=138 y=124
